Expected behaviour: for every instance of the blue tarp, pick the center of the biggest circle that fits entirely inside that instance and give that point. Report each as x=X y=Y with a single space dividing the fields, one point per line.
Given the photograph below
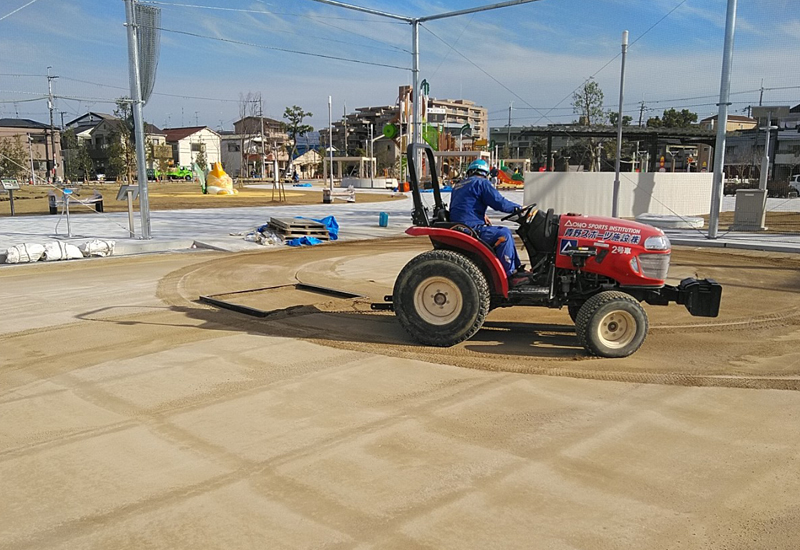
x=301 y=241
x=329 y=222
x=302 y=185
x=445 y=189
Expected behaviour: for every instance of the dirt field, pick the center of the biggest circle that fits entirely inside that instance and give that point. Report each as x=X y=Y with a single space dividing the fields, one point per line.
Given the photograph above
x=776 y=222
x=168 y=196
x=751 y=344
x=133 y=416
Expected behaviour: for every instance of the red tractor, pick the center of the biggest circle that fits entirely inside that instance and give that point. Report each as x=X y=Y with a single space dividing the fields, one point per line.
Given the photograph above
x=599 y=268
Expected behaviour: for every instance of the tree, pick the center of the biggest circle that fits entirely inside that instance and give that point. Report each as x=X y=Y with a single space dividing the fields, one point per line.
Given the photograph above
x=673 y=119
x=587 y=103
x=121 y=150
x=249 y=110
x=295 y=127
x=12 y=158
x=613 y=117
x=201 y=161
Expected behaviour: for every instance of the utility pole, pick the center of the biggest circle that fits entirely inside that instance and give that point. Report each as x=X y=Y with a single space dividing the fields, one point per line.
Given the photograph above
x=51 y=169
x=30 y=152
x=371 y=156
x=261 y=135
x=62 y=119
x=508 y=138
x=615 y=198
x=344 y=118
x=761 y=95
x=641 y=114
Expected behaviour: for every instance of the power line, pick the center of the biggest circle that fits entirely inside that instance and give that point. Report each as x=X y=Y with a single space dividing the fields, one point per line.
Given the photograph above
x=286 y=50
x=265 y=12
x=682 y=2
x=243 y=10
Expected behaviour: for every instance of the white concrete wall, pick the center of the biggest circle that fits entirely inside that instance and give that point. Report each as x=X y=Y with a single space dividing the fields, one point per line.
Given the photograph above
x=591 y=193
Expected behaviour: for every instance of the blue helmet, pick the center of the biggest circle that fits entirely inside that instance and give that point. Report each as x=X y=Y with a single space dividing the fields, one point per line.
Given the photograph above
x=479 y=166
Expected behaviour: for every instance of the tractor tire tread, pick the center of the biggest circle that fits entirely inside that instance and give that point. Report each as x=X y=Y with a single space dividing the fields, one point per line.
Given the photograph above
x=588 y=311
x=440 y=336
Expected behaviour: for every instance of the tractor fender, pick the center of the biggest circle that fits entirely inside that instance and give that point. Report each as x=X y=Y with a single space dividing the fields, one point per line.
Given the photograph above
x=461 y=242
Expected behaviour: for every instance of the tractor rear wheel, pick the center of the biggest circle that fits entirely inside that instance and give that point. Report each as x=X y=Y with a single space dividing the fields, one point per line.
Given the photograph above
x=611 y=324
x=441 y=298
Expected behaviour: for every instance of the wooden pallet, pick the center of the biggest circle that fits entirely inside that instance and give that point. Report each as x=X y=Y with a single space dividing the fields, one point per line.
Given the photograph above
x=290 y=228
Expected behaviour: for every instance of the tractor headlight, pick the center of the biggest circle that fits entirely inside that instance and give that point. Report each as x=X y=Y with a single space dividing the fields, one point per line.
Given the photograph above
x=658 y=242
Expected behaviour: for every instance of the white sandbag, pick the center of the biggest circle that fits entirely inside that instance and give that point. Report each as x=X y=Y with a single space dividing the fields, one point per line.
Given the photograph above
x=24 y=253
x=97 y=248
x=61 y=251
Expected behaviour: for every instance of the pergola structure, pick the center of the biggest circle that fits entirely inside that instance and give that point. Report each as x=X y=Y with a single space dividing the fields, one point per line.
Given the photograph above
x=363 y=163
x=442 y=156
x=651 y=137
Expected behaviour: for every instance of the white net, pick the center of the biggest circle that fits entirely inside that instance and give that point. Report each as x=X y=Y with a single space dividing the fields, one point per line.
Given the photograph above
x=148 y=20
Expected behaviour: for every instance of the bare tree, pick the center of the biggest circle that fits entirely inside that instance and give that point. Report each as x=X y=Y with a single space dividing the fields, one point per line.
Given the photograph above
x=249 y=115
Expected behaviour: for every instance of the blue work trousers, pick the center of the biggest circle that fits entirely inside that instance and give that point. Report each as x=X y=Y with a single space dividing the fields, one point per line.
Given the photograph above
x=502 y=241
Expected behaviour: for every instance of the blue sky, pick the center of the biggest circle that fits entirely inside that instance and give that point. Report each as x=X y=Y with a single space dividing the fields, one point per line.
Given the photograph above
x=533 y=55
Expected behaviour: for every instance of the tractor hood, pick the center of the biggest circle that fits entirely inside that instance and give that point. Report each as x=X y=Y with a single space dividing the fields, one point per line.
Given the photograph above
x=606 y=229
x=631 y=253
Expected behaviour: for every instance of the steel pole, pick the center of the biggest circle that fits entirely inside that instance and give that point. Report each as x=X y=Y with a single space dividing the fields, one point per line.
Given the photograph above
x=615 y=204
x=762 y=181
x=330 y=145
x=722 y=121
x=417 y=133
x=138 y=122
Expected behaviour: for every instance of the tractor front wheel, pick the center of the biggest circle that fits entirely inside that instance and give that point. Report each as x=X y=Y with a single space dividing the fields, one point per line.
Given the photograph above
x=611 y=324
x=441 y=298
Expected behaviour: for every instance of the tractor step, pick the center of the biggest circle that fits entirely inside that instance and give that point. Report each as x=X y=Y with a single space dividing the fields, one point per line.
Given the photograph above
x=529 y=290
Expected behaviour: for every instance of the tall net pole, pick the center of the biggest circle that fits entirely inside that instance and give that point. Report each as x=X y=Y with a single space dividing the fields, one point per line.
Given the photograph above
x=138 y=122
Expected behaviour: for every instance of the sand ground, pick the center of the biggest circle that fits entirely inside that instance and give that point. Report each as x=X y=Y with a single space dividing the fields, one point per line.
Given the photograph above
x=133 y=416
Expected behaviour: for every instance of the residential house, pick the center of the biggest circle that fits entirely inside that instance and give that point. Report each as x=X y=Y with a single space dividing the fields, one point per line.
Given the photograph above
x=734 y=155
x=97 y=132
x=261 y=140
x=744 y=148
x=35 y=138
x=242 y=155
x=187 y=142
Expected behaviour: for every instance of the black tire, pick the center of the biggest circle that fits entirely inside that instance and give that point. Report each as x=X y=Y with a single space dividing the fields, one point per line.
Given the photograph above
x=188 y=178
x=611 y=324
x=441 y=298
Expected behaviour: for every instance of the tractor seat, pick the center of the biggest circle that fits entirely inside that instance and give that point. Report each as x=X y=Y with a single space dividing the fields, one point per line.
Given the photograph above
x=467 y=230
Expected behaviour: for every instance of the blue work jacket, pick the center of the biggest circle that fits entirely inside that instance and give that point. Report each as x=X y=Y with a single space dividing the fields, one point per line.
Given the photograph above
x=470 y=198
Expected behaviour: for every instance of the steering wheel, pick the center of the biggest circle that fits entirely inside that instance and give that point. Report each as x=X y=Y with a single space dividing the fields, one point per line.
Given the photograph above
x=521 y=212
x=548 y=223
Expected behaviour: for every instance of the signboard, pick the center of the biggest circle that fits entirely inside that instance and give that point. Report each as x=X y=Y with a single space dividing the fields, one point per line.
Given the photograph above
x=480 y=143
x=122 y=194
x=436 y=110
x=9 y=184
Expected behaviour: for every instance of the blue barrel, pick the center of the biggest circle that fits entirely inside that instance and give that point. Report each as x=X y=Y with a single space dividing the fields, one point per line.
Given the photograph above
x=383 y=219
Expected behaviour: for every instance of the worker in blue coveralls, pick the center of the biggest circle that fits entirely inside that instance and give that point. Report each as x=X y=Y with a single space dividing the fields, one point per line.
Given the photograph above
x=471 y=196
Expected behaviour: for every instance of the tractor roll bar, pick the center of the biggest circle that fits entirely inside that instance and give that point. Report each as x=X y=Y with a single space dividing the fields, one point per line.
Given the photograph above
x=420 y=214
